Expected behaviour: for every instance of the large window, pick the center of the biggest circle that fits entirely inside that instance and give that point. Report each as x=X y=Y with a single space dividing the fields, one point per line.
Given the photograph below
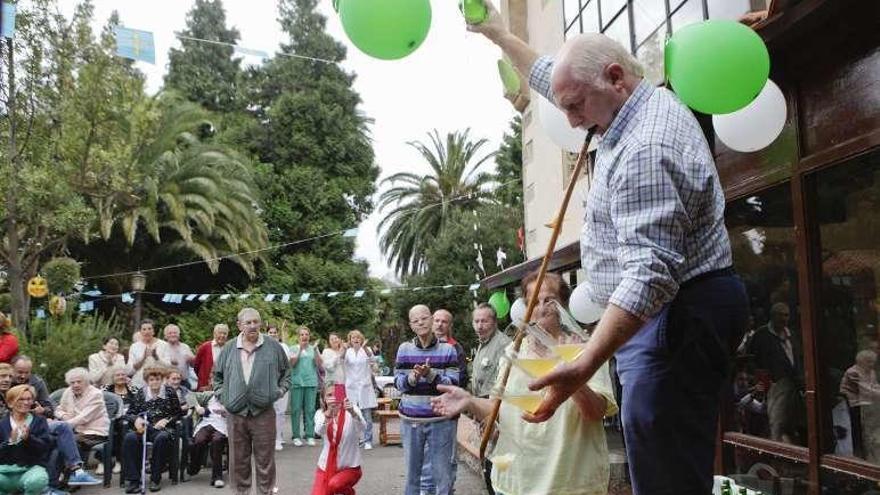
x=642 y=26
x=848 y=211
x=768 y=377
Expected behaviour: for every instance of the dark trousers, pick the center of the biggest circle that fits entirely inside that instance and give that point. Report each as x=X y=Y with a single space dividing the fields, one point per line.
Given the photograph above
x=207 y=439
x=132 y=450
x=252 y=436
x=673 y=371
x=487 y=476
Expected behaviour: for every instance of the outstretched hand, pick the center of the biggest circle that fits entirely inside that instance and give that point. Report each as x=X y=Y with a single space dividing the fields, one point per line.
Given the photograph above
x=452 y=402
x=561 y=383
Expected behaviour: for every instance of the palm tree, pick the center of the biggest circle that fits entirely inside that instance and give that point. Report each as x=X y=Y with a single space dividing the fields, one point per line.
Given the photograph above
x=203 y=193
x=422 y=204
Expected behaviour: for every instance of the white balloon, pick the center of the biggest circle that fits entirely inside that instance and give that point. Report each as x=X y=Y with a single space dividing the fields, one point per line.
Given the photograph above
x=557 y=128
x=755 y=126
x=582 y=307
x=518 y=310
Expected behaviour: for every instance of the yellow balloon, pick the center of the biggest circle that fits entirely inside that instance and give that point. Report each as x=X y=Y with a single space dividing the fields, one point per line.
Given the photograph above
x=37 y=287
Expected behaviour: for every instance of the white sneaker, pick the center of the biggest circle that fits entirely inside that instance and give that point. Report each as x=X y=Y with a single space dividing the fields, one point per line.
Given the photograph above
x=99 y=471
x=311 y=442
x=219 y=484
x=368 y=446
x=297 y=442
x=278 y=446
x=117 y=468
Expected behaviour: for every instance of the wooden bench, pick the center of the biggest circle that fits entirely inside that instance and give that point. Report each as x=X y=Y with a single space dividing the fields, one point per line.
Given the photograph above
x=386 y=437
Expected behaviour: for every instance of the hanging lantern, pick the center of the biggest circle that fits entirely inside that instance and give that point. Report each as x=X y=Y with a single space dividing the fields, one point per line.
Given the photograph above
x=57 y=305
x=37 y=287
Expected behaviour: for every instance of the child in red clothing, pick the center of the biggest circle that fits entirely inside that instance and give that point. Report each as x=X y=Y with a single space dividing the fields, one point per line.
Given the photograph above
x=341 y=425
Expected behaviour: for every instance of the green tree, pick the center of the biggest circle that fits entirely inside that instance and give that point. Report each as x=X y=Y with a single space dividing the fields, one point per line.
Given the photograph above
x=452 y=259
x=317 y=172
x=421 y=205
x=71 y=113
x=508 y=167
x=206 y=73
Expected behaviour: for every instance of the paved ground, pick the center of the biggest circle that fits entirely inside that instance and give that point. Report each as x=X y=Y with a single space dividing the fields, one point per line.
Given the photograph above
x=383 y=474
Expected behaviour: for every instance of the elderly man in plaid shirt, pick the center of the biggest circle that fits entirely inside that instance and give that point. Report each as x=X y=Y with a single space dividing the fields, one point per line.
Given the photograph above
x=655 y=251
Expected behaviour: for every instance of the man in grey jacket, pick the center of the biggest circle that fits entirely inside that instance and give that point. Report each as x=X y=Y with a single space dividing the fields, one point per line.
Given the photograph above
x=251 y=373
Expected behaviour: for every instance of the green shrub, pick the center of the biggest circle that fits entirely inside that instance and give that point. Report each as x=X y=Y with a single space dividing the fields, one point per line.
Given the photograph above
x=61 y=274
x=59 y=344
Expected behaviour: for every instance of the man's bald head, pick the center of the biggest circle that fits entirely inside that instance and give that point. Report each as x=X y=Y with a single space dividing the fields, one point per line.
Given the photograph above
x=420 y=320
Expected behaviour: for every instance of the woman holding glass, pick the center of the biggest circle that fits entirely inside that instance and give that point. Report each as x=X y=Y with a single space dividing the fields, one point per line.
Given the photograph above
x=572 y=444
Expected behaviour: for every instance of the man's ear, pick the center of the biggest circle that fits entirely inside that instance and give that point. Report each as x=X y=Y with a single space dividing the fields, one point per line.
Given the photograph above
x=614 y=74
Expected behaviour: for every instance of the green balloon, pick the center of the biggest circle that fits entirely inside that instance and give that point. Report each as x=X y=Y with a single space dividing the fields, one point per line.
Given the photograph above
x=386 y=29
x=509 y=77
x=499 y=301
x=717 y=66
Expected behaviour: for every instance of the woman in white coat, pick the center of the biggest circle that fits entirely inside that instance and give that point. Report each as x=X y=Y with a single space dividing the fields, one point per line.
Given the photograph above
x=333 y=360
x=281 y=403
x=359 y=381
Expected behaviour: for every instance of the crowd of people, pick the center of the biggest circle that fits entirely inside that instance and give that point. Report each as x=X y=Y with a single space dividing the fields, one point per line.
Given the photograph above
x=164 y=392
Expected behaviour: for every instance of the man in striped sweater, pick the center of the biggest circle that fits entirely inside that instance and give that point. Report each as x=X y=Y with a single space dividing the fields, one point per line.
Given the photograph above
x=422 y=364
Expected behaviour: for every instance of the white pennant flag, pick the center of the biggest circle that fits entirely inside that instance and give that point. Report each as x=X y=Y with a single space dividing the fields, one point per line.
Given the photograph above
x=269 y=297
x=204 y=297
x=285 y=298
x=225 y=297
x=359 y=293
x=304 y=297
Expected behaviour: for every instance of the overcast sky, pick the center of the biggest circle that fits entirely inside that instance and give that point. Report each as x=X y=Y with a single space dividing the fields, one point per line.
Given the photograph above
x=449 y=83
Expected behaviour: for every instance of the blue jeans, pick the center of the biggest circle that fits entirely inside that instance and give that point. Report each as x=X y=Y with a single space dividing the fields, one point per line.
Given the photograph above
x=440 y=439
x=673 y=371
x=368 y=432
x=65 y=441
x=427 y=481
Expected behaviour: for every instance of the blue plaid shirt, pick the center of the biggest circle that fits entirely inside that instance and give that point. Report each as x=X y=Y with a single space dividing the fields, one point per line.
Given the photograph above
x=655 y=212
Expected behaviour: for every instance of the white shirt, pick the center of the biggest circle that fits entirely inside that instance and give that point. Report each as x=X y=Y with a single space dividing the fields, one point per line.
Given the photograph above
x=216 y=349
x=348 y=453
x=334 y=365
x=136 y=353
x=359 y=379
x=182 y=354
x=247 y=357
x=215 y=418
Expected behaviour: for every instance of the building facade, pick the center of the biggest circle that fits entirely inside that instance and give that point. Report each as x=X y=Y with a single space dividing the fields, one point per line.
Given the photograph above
x=803 y=217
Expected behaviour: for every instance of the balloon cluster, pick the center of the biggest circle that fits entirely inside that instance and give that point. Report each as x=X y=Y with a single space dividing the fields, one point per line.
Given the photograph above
x=721 y=68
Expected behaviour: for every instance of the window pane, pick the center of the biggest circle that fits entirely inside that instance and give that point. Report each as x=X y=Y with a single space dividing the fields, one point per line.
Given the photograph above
x=848 y=202
x=610 y=8
x=768 y=377
x=728 y=9
x=648 y=16
x=571 y=9
x=619 y=31
x=689 y=13
x=766 y=473
x=650 y=54
x=590 y=17
x=843 y=484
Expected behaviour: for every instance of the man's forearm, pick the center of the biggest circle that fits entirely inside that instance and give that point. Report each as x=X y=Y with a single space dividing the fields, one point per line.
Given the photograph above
x=615 y=328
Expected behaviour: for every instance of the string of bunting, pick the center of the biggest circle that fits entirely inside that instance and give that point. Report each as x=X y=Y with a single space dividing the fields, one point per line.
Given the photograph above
x=283 y=298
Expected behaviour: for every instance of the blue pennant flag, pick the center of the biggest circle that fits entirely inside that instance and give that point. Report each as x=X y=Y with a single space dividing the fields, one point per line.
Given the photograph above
x=304 y=297
x=135 y=44
x=7 y=28
x=350 y=233
x=167 y=298
x=93 y=293
x=127 y=299
x=41 y=313
x=285 y=298
x=250 y=51
x=86 y=306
